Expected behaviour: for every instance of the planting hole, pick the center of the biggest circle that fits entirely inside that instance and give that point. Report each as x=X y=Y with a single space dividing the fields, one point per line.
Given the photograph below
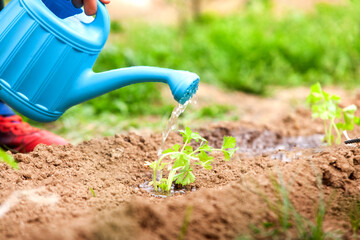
x=175 y=190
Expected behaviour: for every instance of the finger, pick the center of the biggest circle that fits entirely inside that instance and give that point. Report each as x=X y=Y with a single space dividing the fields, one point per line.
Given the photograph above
x=77 y=3
x=90 y=7
x=105 y=1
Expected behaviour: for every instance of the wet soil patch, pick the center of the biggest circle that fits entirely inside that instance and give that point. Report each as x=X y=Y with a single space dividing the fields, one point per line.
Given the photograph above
x=260 y=141
x=176 y=189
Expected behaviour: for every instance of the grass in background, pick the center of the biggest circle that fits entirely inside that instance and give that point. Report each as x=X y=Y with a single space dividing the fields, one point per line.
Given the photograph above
x=252 y=50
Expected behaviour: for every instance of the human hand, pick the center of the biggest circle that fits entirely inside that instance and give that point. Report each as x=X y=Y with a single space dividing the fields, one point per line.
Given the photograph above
x=90 y=6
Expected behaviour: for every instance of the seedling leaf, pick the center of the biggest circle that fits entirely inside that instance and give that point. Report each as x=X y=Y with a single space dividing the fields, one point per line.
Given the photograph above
x=228 y=154
x=175 y=148
x=205 y=160
x=357 y=120
x=185 y=177
x=229 y=142
x=205 y=147
x=183 y=161
x=186 y=135
x=204 y=157
x=189 y=135
x=151 y=165
x=196 y=136
x=8 y=159
x=188 y=150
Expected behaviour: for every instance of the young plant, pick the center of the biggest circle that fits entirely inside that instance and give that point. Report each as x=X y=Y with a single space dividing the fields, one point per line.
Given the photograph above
x=8 y=159
x=92 y=191
x=336 y=119
x=184 y=157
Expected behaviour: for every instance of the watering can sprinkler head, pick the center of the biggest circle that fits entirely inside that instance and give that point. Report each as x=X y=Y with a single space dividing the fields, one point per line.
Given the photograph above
x=183 y=86
x=46 y=60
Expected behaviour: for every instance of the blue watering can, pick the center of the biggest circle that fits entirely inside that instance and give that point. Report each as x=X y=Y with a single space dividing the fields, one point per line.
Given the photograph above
x=46 y=60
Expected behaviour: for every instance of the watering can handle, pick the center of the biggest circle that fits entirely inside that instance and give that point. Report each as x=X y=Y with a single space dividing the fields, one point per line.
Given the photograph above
x=102 y=17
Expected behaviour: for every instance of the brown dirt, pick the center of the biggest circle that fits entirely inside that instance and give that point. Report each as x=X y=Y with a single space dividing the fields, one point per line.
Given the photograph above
x=227 y=200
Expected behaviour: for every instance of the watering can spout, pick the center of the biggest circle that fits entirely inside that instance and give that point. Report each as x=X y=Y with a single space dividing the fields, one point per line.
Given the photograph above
x=183 y=84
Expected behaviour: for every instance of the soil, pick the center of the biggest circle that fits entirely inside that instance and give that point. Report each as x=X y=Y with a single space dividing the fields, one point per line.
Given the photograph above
x=50 y=196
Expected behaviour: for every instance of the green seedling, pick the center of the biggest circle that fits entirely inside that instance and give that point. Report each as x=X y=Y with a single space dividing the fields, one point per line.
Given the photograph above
x=184 y=157
x=336 y=119
x=92 y=191
x=186 y=222
x=8 y=159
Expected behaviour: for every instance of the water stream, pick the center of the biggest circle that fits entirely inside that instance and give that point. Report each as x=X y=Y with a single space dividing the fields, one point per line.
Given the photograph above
x=172 y=122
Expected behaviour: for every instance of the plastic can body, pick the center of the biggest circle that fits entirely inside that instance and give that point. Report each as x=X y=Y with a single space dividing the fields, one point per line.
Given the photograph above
x=43 y=53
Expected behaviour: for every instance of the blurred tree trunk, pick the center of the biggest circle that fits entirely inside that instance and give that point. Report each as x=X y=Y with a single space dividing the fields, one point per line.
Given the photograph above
x=187 y=10
x=196 y=8
x=182 y=14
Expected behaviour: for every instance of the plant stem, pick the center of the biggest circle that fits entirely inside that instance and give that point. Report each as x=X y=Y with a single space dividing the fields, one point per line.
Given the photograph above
x=213 y=150
x=329 y=134
x=156 y=169
x=187 y=141
x=164 y=155
x=338 y=137
x=186 y=222
x=170 y=180
x=173 y=171
x=325 y=129
x=154 y=178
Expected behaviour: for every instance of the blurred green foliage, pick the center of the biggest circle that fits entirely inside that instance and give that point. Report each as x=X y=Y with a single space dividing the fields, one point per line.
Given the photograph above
x=251 y=50
x=214 y=111
x=116 y=27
